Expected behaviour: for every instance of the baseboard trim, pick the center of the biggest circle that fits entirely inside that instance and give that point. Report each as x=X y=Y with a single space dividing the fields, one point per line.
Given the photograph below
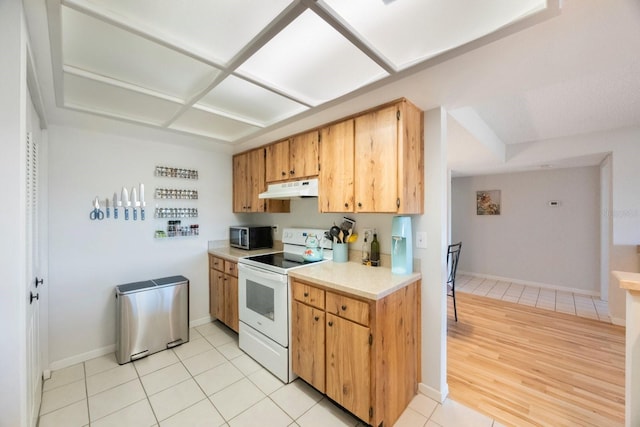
x=83 y=357
x=201 y=321
x=530 y=283
x=430 y=392
x=619 y=321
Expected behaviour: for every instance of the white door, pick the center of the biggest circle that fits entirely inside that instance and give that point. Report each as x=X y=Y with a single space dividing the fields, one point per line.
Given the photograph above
x=34 y=284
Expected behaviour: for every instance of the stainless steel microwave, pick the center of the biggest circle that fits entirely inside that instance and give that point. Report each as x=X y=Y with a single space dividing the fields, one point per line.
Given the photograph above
x=251 y=237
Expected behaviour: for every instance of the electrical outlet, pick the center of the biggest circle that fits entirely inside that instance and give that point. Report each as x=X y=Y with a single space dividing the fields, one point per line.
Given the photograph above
x=421 y=240
x=275 y=229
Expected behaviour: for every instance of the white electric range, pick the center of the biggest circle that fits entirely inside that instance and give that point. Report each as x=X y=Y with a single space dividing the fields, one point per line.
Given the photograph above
x=264 y=299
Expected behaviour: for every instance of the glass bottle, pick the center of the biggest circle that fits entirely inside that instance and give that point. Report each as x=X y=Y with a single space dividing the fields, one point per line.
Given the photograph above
x=365 y=251
x=375 y=251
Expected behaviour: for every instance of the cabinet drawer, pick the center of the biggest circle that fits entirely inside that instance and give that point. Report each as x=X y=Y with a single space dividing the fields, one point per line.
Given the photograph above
x=348 y=308
x=216 y=263
x=231 y=268
x=308 y=295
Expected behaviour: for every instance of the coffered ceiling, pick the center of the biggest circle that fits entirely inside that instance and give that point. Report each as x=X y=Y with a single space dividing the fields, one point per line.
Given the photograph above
x=230 y=69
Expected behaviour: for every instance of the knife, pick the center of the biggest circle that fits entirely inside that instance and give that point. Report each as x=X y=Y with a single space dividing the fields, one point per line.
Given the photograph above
x=116 y=203
x=134 y=203
x=125 y=202
x=142 y=203
x=107 y=208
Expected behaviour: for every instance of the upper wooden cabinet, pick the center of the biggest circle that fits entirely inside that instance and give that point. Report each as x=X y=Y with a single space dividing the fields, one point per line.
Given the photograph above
x=374 y=162
x=293 y=158
x=389 y=160
x=335 y=193
x=249 y=181
x=370 y=162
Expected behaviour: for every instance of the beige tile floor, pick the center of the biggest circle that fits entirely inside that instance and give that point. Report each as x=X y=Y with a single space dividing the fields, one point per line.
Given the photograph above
x=563 y=302
x=208 y=381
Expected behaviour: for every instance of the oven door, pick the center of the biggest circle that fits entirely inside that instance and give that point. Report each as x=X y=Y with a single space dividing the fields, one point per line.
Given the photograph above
x=263 y=299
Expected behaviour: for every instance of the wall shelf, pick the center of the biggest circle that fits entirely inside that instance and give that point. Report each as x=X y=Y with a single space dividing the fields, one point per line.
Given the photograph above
x=176 y=193
x=176 y=213
x=171 y=172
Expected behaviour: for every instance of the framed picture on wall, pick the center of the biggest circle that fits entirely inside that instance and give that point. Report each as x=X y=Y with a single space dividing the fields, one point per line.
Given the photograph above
x=488 y=202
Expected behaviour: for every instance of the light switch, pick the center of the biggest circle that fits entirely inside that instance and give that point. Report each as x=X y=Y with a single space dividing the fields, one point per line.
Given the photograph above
x=421 y=239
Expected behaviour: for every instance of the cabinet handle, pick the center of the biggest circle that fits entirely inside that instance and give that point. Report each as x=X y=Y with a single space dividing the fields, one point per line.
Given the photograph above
x=330 y=323
x=306 y=294
x=316 y=318
x=283 y=173
x=39 y=282
x=292 y=171
x=346 y=205
x=32 y=297
x=344 y=307
x=359 y=204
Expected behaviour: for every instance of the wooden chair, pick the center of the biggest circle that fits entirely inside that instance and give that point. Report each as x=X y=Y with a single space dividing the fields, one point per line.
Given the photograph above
x=453 y=255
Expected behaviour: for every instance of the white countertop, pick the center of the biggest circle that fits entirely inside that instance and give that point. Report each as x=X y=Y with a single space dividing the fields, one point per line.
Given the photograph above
x=629 y=281
x=351 y=277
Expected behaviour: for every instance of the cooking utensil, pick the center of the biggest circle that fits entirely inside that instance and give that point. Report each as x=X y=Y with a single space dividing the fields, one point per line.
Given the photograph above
x=96 y=213
x=334 y=231
x=116 y=203
x=341 y=237
x=134 y=203
x=142 y=202
x=124 y=196
x=107 y=208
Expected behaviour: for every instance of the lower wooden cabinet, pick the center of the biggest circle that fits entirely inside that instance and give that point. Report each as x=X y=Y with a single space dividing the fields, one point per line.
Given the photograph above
x=308 y=348
x=223 y=291
x=348 y=350
x=363 y=354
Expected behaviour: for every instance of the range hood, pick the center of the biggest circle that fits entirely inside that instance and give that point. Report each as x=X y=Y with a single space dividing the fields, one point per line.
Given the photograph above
x=291 y=190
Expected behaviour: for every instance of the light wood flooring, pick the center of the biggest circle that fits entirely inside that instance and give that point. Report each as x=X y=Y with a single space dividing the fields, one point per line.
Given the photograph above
x=525 y=366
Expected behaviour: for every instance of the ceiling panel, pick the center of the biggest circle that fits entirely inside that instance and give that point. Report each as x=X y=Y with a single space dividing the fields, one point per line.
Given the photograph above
x=214 y=29
x=211 y=125
x=312 y=62
x=232 y=69
x=409 y=31
x=103 y=49
x=98 y=97
x=242 y=99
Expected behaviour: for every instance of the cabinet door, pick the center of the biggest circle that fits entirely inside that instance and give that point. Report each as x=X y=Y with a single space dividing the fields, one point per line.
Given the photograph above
x=217 y=295
x=303 y=155
x=336 y=168
x=376 y=161
x=256 y=183
x=348 y=365
x=277 y=167
x=212 y=292
x=240 y=183
x=307 y=344
x=231 y=302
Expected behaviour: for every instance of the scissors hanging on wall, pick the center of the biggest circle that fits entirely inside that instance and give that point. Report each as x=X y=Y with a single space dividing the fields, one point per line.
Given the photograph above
x=96 y=213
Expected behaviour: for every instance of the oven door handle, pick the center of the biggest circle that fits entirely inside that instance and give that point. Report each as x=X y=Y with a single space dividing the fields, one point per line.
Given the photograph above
x=267 y=275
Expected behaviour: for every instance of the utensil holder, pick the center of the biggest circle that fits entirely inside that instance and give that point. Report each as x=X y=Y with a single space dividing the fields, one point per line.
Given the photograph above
x=340 y=252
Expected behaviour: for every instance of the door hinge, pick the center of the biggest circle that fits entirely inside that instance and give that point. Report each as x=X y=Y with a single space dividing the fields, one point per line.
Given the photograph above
x=265 y=153
x=398 y=202
x=370 y=339
x=370 y=411
x=398 y=115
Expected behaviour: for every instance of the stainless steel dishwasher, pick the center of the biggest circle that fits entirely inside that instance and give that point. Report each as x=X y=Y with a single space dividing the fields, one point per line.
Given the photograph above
x=151 y=316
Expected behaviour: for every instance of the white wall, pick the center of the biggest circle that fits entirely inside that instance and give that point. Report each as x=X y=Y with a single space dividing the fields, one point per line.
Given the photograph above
x=13 y=88
x=87 y=259
x=530 y=241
